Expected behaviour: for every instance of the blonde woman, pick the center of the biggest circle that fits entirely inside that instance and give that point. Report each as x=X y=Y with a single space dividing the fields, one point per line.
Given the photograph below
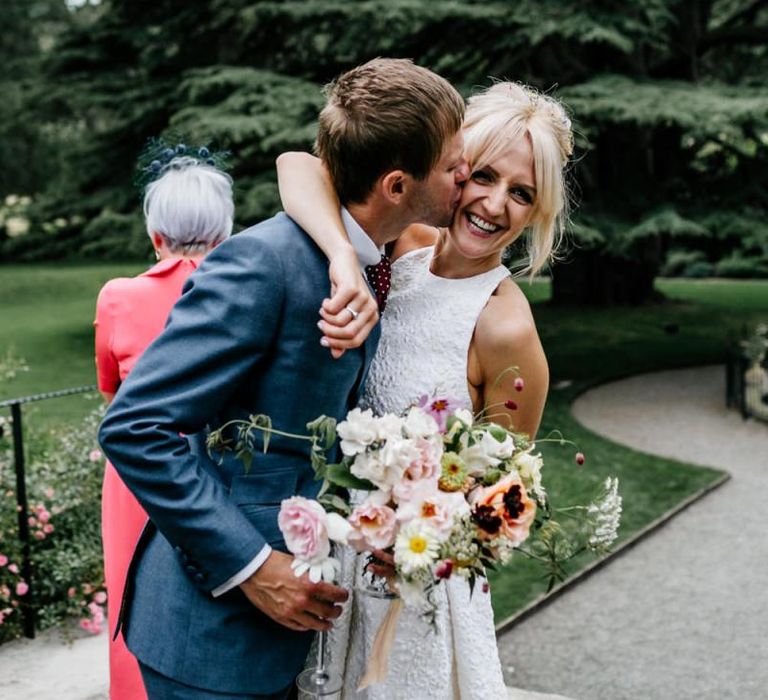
x=454 y=321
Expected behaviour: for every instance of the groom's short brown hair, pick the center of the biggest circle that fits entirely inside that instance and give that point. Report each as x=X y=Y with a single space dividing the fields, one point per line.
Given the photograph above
x=387 y=114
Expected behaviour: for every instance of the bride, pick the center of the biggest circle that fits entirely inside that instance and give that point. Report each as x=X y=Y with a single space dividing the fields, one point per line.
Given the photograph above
x=454 y=322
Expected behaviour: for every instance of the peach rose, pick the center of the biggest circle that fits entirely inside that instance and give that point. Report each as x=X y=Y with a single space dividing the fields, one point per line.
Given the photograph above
x=504 y=510
x=374 y=526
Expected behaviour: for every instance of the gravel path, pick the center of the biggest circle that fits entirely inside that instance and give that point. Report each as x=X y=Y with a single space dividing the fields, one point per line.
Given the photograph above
x=683 y=614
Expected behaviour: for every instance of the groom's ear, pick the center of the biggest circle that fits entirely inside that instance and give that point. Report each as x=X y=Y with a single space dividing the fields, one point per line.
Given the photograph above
x=393 y=185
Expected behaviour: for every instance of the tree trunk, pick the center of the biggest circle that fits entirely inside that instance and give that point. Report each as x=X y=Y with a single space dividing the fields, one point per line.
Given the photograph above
x=592 y=278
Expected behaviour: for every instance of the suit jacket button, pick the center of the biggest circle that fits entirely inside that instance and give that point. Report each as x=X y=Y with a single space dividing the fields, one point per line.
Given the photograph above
x=199 y=577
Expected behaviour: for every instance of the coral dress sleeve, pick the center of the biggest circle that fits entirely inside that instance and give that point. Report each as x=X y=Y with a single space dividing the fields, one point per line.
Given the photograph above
x=107 y=368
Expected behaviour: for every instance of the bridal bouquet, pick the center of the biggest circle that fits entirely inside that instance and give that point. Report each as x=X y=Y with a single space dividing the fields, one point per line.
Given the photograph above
x=448 y=493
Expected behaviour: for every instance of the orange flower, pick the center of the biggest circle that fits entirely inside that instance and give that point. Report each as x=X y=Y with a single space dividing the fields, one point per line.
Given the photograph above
x=504 y=510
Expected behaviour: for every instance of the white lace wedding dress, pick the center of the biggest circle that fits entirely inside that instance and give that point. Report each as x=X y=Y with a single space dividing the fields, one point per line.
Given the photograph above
x=426 y=331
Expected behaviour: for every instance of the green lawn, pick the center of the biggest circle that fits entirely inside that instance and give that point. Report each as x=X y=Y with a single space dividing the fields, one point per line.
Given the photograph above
x=587 y=346
x=47 y=312
x=46 y=317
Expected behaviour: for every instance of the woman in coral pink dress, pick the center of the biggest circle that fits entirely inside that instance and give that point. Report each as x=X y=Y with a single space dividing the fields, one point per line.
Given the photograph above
x=188 y=210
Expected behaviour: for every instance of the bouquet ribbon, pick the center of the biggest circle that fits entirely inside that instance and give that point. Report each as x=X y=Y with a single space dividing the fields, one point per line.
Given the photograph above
x=376 y=671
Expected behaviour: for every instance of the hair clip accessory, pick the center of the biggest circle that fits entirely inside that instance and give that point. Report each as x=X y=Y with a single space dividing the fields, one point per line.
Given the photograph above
x=159 y=156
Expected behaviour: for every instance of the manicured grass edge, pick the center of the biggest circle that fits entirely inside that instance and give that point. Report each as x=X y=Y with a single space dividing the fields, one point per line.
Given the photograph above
x=580 y=576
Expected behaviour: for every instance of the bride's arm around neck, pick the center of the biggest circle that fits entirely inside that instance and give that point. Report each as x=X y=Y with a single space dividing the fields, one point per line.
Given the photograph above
x=505 y=337
x=308 y=197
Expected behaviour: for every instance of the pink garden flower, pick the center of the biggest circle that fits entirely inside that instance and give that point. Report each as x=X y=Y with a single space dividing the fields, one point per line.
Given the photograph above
x=21 y=588
x=39 y=535
x=100 y=598
x=580 y=458
x=47 y=528
x=440 y=408
x=13 y=568
x=71 y=592
x=3 y=560
x=94 y=455
x=86 y=624
x=519 y=384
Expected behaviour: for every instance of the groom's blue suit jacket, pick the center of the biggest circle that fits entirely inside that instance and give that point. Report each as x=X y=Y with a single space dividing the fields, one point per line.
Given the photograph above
x=242 y=339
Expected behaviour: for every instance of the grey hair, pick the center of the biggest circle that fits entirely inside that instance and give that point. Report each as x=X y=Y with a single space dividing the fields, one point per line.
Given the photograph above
x=190 y=206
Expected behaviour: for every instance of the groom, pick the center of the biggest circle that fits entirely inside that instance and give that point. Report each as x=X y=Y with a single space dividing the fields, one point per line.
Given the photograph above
x=212 y=608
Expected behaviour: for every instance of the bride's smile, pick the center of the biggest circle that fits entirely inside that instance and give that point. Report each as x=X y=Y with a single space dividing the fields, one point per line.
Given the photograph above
x=496 y=206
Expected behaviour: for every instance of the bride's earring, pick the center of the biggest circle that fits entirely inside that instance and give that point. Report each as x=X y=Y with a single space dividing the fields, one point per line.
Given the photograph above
x=157 y=254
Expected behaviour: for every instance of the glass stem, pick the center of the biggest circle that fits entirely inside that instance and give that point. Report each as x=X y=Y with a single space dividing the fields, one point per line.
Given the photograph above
x=321 y=653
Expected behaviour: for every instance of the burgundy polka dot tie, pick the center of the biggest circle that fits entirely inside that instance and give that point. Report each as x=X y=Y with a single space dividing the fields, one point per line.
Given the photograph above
x=380 y=278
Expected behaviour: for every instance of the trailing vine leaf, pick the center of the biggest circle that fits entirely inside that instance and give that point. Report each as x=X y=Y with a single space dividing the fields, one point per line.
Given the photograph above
x=324 y=429
x=263 y=421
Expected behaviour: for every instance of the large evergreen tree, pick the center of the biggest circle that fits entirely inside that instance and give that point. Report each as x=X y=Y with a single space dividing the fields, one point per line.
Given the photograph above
x=668 y=99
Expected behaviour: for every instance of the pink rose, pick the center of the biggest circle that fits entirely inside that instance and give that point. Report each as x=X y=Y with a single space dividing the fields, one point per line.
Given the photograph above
x=43 y=515
x=21 y=588
x=3 y=560
x=100 y=598
x=303 y=524
x=71 y=592
x=48 y=528
x=39 y=535
x=94 y=455
x=375 y=526
x=425 y=468
x=13 y=568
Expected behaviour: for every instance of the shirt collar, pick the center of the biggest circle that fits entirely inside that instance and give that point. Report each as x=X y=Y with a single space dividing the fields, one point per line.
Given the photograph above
x=367 y=251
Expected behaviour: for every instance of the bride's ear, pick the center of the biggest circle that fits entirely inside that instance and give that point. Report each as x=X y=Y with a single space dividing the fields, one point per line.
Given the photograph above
x=393 y=186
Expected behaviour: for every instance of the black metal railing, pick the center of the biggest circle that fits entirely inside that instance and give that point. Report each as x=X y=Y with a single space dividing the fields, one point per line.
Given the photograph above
x=22 y=504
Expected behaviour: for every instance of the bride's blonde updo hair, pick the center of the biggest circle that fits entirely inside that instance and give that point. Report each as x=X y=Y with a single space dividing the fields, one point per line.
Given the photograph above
x=499 y=117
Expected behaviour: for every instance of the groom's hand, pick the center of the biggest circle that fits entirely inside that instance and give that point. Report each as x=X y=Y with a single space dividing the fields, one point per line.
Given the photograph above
x=293 y=601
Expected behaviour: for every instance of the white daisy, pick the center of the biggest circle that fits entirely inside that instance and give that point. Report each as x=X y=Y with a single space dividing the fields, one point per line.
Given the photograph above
x=416 y=546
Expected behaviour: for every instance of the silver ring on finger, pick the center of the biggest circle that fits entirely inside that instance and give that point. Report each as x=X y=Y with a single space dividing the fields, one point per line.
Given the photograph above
x=354 y=313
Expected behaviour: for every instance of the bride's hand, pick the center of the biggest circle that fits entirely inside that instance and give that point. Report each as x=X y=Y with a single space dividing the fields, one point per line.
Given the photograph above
x=383 y=564
x=341 y=328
